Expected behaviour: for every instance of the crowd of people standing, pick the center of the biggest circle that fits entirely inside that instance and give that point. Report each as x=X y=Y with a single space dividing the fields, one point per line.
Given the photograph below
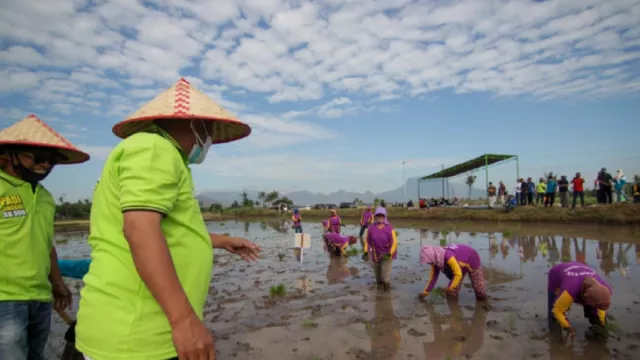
x=545 y=191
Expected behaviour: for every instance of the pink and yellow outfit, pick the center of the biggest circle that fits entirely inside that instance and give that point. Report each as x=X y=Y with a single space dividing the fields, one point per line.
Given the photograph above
x=455 y=261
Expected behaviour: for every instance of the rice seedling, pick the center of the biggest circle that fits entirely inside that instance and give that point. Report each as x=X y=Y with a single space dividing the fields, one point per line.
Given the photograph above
x=277 y=290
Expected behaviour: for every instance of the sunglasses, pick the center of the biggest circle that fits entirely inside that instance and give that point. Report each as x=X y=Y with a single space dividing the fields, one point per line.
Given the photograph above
x=40 y=157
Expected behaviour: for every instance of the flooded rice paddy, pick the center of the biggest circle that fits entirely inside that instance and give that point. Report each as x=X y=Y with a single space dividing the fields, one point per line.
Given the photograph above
x=330 y=308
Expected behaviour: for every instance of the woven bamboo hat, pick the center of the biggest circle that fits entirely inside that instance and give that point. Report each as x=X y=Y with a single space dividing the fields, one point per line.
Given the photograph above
x=33 y=132
x=184 y=102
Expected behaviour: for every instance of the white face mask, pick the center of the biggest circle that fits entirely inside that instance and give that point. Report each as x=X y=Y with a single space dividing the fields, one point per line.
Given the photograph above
x=200 y=148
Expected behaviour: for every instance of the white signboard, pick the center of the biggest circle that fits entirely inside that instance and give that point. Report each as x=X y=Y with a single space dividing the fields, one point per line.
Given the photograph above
x=302 y=241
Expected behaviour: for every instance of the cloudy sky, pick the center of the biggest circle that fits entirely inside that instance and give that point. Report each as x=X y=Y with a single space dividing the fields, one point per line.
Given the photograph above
x=338 y=92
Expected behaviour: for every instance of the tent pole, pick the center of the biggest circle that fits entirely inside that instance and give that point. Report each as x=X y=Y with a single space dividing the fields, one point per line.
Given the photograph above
x=443 y=182
x=486 y=173
x=518 y=166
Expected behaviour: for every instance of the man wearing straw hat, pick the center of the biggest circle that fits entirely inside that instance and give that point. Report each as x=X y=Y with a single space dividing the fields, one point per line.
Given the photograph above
x=152 y=254
x=29 y=273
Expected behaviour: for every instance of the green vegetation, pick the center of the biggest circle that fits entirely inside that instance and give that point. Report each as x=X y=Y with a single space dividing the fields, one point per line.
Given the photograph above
x=309 y=324
x=277 y=290
x=616 y=214
x=281 y=256
x=352 y=252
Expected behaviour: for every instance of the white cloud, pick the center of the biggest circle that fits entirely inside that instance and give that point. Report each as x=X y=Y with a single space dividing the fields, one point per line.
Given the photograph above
x=274 y=170
x=281 y=65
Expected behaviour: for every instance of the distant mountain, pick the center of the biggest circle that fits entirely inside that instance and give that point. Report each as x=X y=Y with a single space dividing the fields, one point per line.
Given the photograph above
x=428 y=189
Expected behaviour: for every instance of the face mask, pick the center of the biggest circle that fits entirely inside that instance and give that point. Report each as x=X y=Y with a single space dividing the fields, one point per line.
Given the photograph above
x=28 y=175
x=200 y=148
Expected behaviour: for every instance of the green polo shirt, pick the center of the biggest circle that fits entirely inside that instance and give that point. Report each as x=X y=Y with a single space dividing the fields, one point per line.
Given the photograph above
x=26 y=240
x=118 y=317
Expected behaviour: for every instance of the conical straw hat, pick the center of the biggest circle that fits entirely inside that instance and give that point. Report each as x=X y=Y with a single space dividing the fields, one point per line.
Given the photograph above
x=32 y=132
x=184 y=102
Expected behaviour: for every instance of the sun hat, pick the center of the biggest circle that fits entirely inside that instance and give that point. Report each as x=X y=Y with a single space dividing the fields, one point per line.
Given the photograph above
x=32 y=132
x=182 y=101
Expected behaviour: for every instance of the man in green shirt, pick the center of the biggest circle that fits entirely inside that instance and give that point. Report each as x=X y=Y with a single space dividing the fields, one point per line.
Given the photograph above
x=29 y=273
x=152 y=254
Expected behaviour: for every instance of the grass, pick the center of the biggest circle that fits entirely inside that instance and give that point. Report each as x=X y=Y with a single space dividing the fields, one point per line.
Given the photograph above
x=617 y=214
x=278 y=290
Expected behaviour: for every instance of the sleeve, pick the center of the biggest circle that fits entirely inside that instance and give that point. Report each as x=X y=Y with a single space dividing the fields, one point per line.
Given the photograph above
x=366 y=242
x=149 y=175
x=602 y=317
x=457 y=273
x=560 y=308
x=394 y=242
x=433 y=279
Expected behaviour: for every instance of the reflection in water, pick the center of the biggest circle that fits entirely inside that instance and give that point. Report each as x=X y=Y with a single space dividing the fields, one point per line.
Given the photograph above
x=581 y=252
x=493 y=245
x=605 y=252
x=560 y=349
x=303 y=284
x=622 y=259
x=552 y=246
x=246 y=227
x=384 y=329
x=529 y=249
x=463 y=337
x=279 y=225
x=337 y=270
x=504 y=248
x=565 y=250
x=519 y=297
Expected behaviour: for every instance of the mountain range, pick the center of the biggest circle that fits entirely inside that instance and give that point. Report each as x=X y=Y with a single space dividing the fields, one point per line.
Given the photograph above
x=428 y=189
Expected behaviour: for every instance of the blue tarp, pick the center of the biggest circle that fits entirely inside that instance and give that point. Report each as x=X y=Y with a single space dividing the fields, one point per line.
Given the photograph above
x=75 y=269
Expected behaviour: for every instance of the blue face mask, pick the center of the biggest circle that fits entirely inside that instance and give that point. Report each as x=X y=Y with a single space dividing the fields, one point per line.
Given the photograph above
x=200 y=148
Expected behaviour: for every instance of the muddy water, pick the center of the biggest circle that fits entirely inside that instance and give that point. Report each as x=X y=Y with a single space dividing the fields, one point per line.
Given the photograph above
x=332 y=311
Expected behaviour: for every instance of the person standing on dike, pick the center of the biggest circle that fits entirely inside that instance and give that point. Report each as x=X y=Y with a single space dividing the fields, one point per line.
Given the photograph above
x=152 y=254
x=29 y=273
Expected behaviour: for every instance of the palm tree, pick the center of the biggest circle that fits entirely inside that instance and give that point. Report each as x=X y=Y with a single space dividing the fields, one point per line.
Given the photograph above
x=272 y=197
x=470 y=180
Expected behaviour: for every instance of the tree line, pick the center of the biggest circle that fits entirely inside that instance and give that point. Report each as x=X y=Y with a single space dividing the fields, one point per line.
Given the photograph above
x=265 y=200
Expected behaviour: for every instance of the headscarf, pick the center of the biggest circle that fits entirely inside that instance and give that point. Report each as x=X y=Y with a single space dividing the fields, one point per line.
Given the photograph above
x=296 y=210
x=352 y=240
x=433 y=255
x=382 y=211
x=595 y=294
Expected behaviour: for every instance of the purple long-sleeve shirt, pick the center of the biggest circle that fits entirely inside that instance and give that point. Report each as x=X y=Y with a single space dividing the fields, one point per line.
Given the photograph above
x=459 y=259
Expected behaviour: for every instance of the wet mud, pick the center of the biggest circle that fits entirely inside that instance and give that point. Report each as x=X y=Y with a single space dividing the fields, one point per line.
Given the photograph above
x=310 y=305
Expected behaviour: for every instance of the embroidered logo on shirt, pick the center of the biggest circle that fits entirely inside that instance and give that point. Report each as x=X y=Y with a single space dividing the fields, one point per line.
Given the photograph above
x=12 y=206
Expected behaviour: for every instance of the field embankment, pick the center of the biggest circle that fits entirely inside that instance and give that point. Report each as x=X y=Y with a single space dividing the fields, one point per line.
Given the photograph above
x=622 y=214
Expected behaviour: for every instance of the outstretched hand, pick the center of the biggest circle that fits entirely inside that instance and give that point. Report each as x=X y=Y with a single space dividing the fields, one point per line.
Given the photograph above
x=244 y=248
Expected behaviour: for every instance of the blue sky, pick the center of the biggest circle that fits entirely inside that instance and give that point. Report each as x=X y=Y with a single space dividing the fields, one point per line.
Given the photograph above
x=338 y=92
